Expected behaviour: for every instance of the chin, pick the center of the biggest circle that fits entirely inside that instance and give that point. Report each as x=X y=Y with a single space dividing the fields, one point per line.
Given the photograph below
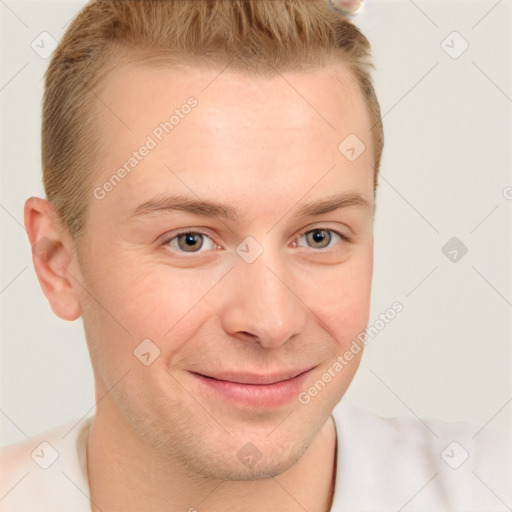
x=268 y=466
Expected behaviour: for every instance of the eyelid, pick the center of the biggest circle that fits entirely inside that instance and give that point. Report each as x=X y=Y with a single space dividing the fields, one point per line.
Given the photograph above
x=173 y=234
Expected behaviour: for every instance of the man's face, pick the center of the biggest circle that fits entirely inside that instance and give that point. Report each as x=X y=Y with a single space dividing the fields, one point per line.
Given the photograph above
x=213 y=302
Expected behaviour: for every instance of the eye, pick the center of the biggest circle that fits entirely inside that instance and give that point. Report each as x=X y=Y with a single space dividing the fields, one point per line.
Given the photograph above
x=191 y=242
x=320 y=238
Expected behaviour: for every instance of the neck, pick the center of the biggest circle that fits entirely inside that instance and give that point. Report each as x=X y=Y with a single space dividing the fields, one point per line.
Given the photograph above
x=127 y=474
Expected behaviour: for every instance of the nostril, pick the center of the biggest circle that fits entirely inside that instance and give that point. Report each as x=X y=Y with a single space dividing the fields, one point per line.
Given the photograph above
x=249 y=334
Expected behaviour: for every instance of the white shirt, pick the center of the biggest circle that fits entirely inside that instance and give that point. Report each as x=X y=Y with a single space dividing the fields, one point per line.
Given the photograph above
x=383 y=464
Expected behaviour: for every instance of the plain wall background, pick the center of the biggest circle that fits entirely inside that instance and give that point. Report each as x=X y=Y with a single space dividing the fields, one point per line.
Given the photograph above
x=445 y=172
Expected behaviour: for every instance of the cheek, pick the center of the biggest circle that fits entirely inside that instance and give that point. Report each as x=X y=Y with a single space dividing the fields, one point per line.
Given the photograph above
x=152 y=300
x=343 y=302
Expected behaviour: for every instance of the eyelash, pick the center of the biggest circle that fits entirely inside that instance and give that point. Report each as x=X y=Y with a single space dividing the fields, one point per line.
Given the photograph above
x=168 y=239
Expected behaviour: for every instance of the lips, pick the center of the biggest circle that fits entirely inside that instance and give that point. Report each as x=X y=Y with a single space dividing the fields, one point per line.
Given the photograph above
x=255 y=390
x=257 y=379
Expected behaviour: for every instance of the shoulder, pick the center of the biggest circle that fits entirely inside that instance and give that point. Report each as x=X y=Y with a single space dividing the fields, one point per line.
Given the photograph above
x=437 y=465
x=46 y=472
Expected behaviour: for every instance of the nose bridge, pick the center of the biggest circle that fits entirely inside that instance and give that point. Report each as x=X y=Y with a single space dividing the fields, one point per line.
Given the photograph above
x=262 y=302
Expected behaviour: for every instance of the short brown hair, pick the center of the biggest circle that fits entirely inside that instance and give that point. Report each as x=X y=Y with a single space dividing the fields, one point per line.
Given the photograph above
x=252 y=36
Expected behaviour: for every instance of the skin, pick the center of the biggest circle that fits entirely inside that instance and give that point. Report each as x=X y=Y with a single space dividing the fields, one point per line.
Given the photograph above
x=160 y=441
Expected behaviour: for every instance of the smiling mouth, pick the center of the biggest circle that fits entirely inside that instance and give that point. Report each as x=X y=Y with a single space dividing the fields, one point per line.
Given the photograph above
x=252 y=379
x=257 y=391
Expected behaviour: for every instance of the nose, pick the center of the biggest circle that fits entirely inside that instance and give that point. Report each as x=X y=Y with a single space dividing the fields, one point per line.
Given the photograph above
x=261 y=303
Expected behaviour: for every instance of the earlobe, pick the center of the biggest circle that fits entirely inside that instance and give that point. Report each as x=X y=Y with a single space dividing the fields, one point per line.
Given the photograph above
x=53 y=257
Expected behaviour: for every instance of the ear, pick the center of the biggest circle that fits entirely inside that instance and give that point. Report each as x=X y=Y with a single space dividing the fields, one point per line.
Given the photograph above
x=53 y=256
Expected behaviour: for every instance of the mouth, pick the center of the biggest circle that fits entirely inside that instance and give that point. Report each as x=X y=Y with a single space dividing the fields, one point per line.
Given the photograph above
x=253 y=389
x=255 y=379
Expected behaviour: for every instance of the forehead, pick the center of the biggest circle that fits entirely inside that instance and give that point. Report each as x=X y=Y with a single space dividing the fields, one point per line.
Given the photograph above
x=254 y=130
x=327 y=94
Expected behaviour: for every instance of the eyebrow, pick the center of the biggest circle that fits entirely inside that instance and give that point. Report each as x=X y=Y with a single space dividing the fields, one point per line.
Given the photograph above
x=205 y=208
